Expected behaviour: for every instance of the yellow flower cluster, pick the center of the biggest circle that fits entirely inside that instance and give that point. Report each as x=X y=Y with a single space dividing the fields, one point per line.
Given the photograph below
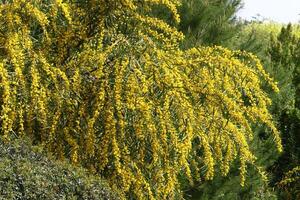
x=106 y=85
x=290 y=177
x=290 y=183
x=6 y=104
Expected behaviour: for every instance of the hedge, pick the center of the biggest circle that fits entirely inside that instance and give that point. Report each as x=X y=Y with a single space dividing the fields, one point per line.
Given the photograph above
x=27 y=173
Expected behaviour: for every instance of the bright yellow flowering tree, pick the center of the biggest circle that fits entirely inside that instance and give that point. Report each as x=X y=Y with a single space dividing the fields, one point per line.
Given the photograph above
x=105 y=84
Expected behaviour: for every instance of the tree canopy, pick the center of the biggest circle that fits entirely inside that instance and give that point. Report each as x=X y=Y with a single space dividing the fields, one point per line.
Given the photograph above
x=105 y=84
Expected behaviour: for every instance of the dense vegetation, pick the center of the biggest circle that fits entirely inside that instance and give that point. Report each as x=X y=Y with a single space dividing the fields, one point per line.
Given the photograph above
x=26 y=173
x=136 y=92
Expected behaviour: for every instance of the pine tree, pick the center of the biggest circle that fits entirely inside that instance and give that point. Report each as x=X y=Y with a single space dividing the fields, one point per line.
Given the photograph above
x=208 y=22
x=285 y=64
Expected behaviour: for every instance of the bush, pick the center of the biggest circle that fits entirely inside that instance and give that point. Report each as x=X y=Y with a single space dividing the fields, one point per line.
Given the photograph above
x=106 y=85
x=28 y=174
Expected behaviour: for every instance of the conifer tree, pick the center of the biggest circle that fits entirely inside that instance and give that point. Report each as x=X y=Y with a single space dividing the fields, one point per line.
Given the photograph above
x=285 y=64
x=208 y=22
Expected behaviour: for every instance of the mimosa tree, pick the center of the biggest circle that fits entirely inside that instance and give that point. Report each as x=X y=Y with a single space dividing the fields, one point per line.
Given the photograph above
x=106 y=85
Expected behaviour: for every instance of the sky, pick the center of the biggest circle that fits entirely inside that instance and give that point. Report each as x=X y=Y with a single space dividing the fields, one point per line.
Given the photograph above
x=283 y=11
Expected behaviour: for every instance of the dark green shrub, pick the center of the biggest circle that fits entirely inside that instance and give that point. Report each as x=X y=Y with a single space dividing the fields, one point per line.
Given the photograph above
x=26 y=173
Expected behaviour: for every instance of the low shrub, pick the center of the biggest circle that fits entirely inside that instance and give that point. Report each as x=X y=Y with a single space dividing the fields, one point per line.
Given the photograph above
x=26 y=173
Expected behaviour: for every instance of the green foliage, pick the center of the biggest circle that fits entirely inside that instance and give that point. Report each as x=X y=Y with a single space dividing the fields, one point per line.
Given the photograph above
x=290 y=184
x=208 y=22
x=254 y=37
x=285 y=63
x=26 y=173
